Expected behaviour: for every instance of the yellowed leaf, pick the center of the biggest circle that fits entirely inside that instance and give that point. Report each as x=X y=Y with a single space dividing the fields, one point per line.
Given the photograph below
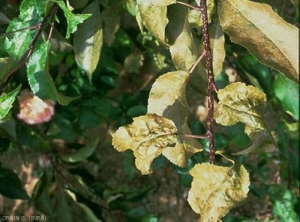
x=215 y=190
x=148 y=137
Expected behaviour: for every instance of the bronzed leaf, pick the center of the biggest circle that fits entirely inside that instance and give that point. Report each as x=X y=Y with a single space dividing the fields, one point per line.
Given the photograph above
x=183 y=49
x=147 y=137
x=215 y=190
x=167 y=98
x=154 y=18
x=264 y=33
x=240 y=103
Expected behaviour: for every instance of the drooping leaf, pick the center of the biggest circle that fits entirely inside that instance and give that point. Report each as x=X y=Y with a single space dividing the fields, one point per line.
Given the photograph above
x=88 y=40
x=263 y=32
x=11 y=186
x=215 y=190
x=154 y=18
x=6 y=66
x=262 y=141
x=167 y=98
x=81 y=154
x=41 y=195
x=148 y=136
x=240 y=103
x=72 y=20
x=111 y=21
x=86 y=206
x=6 y=101
x=288 y=94
x=182 y=46
x=217 y=42
x=39 y=78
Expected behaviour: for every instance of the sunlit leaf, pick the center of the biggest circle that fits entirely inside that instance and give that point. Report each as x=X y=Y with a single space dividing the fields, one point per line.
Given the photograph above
x=264 y=33
x=240 y=103
x=215 y=190
x=262 y=141
x=147 y=137
x=72 y=19
x=288 y=94
x=11 y=186
x=154 y=18
x=6 y=101
x=88 y=40
x=39 y=78
x=182 y=46
x=168 y=98
x=81 y=154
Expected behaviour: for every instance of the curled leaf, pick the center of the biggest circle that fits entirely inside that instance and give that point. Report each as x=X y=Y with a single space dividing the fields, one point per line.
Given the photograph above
x=240 y=103
x=147 y=137
x=215 y=190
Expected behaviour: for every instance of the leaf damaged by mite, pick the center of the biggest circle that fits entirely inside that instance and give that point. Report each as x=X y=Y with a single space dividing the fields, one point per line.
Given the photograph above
x=148 y=137
x=224 y=188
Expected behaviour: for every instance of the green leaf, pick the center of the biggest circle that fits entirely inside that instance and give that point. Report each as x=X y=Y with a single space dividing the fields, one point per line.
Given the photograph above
x=8 y=129
x=6 y=66
x=167 y=98
x=39 y=78
x=88 y=40
x=183 y=49
x=147 y=137
x=288 y=94
x=78 y=4
x=41 y=196
x=283 y=202
x=215 y=190
x=240 y=103
x=154 y=18
x=6 y=101
x=82 y=154
x=62 y=211
x=86 y=209
x=264 y=33
x=11 y=186
x=72 y=19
